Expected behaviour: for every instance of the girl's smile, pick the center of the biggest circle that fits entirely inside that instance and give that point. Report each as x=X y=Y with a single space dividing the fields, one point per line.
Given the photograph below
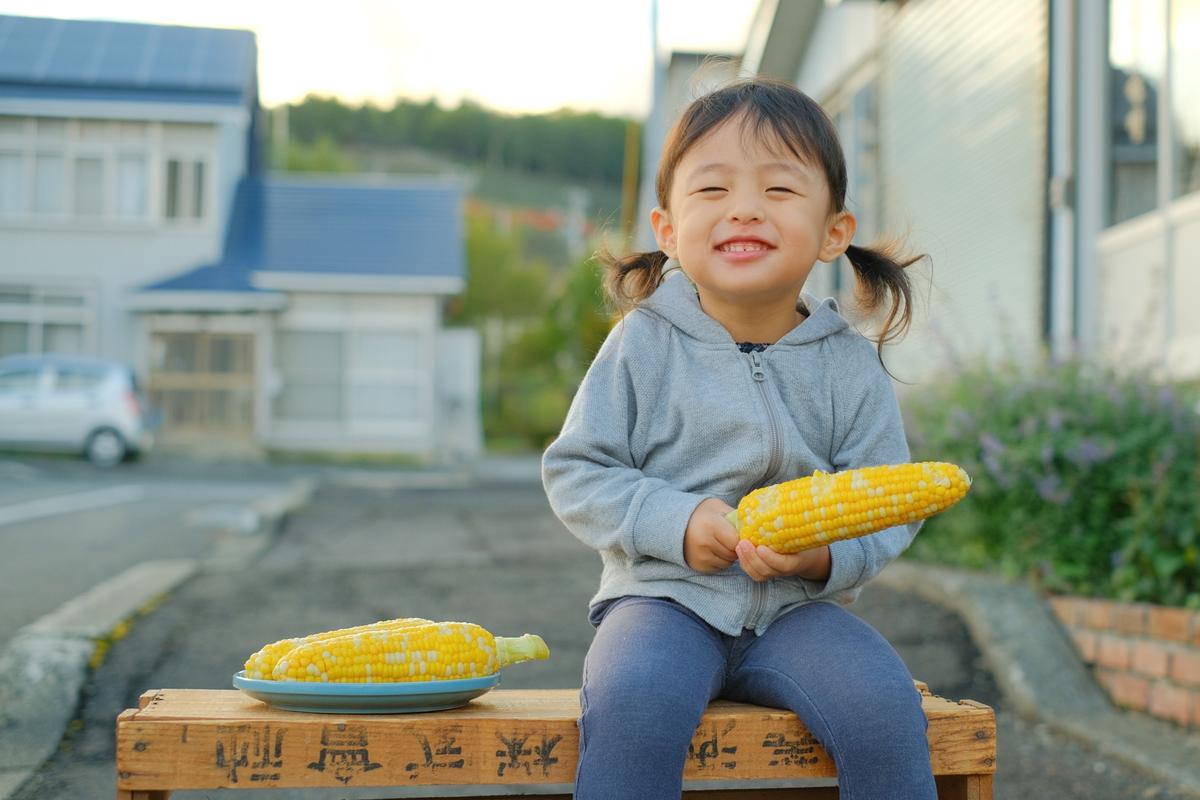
x=741 y=249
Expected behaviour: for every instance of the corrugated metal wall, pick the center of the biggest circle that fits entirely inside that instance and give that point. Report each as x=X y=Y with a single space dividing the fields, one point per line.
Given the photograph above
x=963 y=111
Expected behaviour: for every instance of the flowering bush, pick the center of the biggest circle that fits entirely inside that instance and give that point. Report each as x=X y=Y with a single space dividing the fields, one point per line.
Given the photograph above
x=1083 y=478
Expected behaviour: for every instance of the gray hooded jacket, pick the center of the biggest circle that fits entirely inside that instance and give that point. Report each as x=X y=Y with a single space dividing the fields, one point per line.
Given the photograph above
x=672 y=412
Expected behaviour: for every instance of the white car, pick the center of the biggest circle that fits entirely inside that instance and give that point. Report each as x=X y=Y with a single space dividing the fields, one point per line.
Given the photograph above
x=76 y=404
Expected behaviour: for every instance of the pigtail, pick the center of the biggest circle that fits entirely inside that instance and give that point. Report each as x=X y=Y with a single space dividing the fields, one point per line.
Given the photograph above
x=880 y=273
x=630 y=279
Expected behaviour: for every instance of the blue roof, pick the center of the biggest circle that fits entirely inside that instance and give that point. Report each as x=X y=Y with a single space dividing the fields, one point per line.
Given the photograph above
x=334 y=228
x=312 y=226
x=121 y=60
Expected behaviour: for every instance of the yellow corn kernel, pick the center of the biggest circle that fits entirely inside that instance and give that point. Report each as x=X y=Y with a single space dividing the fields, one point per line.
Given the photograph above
x=826 y=507
x=260 y=665
x=428 y=652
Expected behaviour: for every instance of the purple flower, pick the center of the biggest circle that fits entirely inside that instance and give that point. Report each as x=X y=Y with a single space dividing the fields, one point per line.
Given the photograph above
x=1089 y=452
x=994 y=468
x=961 y=420
x=1054 y=420
x=1049 y=488
x=990 y=444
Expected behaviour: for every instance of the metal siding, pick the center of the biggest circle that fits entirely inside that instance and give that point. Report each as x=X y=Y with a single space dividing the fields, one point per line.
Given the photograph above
x=963 y=137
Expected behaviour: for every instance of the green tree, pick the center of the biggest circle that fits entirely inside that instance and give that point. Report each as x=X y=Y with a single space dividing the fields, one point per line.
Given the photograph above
x=584 y=146
x=322 y=156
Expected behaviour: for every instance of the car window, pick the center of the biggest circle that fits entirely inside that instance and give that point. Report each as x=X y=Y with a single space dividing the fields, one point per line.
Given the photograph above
x=68 y=379
x=20 y=380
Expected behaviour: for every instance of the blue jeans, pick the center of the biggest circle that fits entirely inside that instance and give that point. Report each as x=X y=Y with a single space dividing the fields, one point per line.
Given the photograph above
x=654 y=666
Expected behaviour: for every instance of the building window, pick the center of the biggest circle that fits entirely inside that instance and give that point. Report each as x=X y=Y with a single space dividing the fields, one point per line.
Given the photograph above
x=858 y=129
x=101 y=170
x=1145 y=37
x=45 y=319
x=1185 y=94
x=384 y=376
x=310 y=363
x=185 y=189
x=49 y=185
x=89 y=187
x=361 y=376
x=132 y=187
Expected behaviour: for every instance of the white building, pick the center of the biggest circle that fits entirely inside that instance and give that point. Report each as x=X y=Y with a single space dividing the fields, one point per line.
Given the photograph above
x=1044 y=153
x=265 y=312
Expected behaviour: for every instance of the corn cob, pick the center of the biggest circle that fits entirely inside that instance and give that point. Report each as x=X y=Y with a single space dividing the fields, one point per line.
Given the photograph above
x=433 y=651
x=260 y=665
x=809 y=512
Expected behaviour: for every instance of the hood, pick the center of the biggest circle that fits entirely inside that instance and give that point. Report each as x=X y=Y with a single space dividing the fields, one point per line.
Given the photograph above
x=677 y=302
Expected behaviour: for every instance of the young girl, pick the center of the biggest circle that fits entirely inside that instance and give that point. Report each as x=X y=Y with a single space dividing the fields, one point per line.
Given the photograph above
x=724 y=378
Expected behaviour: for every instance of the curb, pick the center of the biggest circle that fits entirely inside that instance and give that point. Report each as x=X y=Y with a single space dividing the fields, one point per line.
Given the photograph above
x=45 y=666
x=1040 y=674
x=252 y=529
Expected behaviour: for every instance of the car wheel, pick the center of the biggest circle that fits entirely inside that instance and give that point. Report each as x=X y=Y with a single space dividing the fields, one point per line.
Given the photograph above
x=105 y=448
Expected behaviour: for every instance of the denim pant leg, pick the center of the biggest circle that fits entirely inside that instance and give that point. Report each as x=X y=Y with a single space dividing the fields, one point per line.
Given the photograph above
x=849 y=686
x=651 y=671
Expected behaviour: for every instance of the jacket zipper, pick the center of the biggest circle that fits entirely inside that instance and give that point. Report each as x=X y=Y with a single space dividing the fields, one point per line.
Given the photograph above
x=759 y=589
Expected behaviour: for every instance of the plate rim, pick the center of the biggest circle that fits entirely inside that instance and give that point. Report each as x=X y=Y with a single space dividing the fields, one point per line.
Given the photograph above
x=322 y=689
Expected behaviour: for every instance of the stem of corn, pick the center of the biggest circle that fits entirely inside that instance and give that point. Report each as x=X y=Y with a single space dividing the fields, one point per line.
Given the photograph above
x=515 y=649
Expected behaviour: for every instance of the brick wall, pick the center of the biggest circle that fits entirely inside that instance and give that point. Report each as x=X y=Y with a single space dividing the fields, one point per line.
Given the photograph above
x=1147 y=657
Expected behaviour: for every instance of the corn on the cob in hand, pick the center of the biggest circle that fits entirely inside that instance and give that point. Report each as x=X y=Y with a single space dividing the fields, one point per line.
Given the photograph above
x=826 y=507
x=428 y=652
x=260 y=665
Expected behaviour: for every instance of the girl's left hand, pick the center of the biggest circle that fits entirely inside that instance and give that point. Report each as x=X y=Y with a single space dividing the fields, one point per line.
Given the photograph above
x=762 y=563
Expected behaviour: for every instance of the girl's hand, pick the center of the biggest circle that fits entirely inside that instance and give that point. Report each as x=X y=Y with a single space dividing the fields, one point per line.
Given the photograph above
x=709 y=541
x=762 y=563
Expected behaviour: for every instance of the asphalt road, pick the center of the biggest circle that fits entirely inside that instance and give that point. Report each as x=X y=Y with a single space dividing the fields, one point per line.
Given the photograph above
x=498 y=557
x=64 y=534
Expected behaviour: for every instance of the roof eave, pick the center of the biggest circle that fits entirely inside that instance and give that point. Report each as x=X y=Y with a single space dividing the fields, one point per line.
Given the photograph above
x=344 y=283
x=150 y=300
x=779 y=36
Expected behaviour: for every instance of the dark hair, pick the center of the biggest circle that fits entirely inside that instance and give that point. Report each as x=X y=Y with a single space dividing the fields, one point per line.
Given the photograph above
x=775 y=109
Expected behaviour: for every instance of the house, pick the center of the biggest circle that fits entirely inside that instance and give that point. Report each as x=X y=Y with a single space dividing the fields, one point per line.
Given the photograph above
x=1044 y=153
x=265 y=312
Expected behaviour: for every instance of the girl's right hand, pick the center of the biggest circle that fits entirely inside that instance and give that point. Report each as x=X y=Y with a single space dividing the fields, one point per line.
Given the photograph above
x=710 y=541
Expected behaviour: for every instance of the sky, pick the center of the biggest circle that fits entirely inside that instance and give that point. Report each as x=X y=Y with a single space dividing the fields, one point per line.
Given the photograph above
x=518 y=56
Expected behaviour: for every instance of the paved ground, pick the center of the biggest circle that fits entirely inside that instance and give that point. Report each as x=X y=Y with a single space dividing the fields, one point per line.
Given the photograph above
x=496 y=556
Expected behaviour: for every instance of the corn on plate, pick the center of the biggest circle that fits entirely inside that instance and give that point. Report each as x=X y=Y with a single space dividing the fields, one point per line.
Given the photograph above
x=394 y=651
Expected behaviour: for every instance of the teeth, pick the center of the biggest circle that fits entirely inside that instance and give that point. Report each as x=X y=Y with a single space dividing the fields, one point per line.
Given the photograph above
x=742 y=247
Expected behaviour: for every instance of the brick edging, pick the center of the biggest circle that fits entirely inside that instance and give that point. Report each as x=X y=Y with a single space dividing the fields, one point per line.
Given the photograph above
x=1147 y=657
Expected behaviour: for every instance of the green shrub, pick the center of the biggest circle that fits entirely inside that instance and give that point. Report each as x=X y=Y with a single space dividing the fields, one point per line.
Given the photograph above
x=1083 y=479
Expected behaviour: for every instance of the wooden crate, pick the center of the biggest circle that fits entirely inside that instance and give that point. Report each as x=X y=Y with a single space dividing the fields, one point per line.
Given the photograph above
x=207 y=739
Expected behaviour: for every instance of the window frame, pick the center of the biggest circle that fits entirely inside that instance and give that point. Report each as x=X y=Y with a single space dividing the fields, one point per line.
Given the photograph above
x=37 y=314
x=112 y=141
x=1167 y=141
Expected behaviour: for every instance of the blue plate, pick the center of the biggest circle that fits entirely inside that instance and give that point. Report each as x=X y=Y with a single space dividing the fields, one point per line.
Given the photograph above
x=365 y=698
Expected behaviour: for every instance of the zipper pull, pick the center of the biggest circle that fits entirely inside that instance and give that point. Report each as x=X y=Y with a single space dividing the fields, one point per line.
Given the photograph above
x=756 y=367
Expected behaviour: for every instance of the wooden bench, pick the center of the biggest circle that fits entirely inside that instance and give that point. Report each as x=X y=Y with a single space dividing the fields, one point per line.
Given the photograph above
x=207 y=739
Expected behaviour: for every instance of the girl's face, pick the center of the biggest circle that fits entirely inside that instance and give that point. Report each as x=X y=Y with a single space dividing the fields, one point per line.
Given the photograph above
x=747 y=221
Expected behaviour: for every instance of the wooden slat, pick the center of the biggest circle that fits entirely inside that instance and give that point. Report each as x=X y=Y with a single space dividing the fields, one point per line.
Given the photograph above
x=804 y=793
x=197 y=739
